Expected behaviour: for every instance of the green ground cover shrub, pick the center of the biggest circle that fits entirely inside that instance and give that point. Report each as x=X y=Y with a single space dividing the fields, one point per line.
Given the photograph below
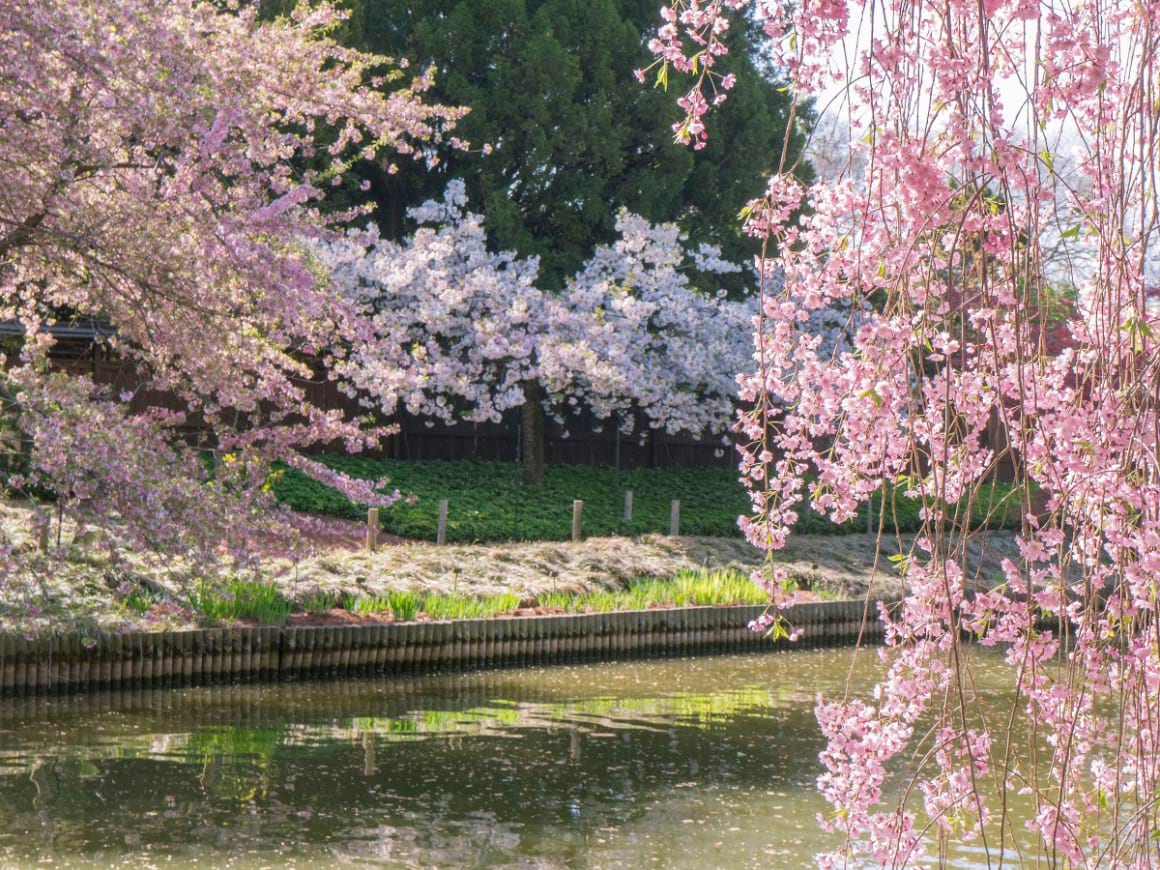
x=687 y=589
x=489 y=502
x=404 y=605
x=366 y=605
x=139 y=601
x=316 y=602
x=468 y=606
x=240 y=599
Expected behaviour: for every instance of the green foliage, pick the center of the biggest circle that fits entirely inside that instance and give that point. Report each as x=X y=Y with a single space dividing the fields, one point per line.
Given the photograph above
x=688 y=589
x=240 y=599
x=701 y=588
x=404 y=605
x=469 y=606
x=317 y=602
x=555 y=600
x=503 y=603
x=488 y=502
x=139 y=601
x=452 y=606
x=368 y=605
x=574 y=136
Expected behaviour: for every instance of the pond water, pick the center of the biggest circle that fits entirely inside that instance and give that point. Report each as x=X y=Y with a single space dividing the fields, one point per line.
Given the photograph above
x=696 y=762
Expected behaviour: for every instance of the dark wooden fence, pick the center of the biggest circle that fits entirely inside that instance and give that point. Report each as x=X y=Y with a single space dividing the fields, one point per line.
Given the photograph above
x=581 y=440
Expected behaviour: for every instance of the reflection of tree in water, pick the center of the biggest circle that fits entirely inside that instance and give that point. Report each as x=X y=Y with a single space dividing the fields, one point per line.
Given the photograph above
x=442 y=770
x=235 y=762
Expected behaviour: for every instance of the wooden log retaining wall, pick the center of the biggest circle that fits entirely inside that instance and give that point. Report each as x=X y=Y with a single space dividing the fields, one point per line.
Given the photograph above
x=208 y=656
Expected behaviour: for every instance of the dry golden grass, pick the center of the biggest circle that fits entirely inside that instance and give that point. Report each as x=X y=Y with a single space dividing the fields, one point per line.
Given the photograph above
x=834 y=565
x=524 y=568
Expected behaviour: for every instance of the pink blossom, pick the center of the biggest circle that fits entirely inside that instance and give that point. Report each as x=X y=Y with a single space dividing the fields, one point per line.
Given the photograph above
x=985 y=330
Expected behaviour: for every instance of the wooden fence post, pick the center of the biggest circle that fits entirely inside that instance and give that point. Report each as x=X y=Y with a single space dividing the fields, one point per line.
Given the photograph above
x=577 y=519
x=441 y=533
x=675 y=518
x=44 y=523
x=372 y=528
x=627 y=505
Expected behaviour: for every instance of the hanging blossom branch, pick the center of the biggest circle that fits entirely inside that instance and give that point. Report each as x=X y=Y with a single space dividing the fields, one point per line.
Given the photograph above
x=1001 y=227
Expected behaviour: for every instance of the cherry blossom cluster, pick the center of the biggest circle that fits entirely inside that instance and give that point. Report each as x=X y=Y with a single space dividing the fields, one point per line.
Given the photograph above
x=704 y=26
x=161 y=161
x=462 y=332
x=455 y=326
x=996 y=235
x=111 y=464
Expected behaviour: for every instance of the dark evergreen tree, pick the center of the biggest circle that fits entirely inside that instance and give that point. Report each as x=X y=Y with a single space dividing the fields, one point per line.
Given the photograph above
x=573 y=136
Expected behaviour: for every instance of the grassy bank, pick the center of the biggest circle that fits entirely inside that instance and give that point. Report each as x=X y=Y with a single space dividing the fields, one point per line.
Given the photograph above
x=488 y=501
x=81 y=589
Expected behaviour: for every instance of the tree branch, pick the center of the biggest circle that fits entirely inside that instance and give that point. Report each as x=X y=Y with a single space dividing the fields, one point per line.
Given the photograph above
x=22 y=234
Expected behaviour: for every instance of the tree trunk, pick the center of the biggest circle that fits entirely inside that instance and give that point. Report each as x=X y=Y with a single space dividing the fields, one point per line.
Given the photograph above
x=532 y=434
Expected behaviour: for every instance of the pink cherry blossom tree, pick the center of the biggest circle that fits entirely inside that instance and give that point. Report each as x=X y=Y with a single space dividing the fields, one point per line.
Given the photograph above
x=1000 y=225
x=471 y=334
x=161 y=164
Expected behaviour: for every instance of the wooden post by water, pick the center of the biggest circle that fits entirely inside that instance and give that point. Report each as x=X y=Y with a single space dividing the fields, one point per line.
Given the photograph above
x=675 y=518
x=372 y=528
x=627 y=505
x=577 y=519
x=441 y=533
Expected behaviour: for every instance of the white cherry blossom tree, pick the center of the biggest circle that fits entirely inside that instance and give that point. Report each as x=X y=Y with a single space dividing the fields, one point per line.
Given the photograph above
x=464 y=333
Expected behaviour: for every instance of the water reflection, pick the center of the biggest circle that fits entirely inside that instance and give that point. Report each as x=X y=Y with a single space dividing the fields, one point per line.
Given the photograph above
x=706 y=762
